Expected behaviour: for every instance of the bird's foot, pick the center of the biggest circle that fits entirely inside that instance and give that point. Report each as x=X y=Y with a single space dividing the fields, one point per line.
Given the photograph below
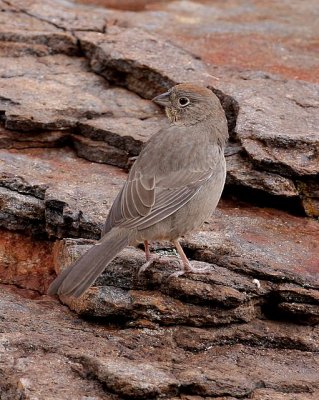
x=159 y=260
x=187 y=268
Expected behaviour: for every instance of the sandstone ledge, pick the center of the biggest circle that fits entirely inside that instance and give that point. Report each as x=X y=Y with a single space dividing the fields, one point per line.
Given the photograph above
x=52 y=351
x=76 y=82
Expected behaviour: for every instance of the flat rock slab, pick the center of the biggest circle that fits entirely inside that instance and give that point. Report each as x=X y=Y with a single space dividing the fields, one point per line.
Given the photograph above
x=273 y=244
x=277 y=126
x=64 y=15
x=134 y=59
x=52 y=191
x=55 y=54
x=229 y=293
x=277 y=123
x=60 y=93
x=46 y=350
x=273 y=37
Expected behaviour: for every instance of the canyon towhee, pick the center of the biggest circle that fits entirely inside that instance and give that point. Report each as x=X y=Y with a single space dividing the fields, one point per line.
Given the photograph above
x=172 y=188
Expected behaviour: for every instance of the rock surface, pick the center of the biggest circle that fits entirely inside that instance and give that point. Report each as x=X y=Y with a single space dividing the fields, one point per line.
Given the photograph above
x=51 y=351
x=279 y=38
x=74 y=112
x=274 y=120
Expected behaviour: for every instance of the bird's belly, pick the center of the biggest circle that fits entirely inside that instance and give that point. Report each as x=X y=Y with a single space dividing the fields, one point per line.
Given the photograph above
x=192 y=215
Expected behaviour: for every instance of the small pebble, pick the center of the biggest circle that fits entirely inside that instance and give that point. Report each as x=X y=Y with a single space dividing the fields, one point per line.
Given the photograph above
x=257 y=283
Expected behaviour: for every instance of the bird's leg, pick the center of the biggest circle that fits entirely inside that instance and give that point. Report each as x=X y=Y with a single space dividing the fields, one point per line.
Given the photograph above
x=147 y=250
x=150 y=258
x=185 y=262
x=186 y=265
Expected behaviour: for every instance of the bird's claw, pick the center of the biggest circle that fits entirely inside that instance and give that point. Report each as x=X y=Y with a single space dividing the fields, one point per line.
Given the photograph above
x=160 y=260
x=190 y=270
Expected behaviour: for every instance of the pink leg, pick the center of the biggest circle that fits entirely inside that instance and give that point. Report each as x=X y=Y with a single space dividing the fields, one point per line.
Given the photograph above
x=185 y=262
x=147 y=250
x=186 y=265
x=150 y=258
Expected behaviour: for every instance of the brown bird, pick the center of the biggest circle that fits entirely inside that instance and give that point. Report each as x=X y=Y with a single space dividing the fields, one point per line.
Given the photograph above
x=172 y=188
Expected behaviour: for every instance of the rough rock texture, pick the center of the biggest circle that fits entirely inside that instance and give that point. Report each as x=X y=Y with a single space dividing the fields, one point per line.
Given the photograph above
x=132 y=58
x=51 y=353
x=54 y=193
x=74 y=107
x=276 y=37
x=277 y=125
x=274 y=120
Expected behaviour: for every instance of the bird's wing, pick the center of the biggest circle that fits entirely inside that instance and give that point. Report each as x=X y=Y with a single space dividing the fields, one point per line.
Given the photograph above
x=146 y=199
x=163 y=178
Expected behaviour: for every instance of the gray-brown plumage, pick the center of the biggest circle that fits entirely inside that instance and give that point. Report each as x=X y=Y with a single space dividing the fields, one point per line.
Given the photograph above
x=172 y=188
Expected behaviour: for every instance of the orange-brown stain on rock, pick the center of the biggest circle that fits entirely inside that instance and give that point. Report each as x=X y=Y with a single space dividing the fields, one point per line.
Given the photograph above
x=25 y=261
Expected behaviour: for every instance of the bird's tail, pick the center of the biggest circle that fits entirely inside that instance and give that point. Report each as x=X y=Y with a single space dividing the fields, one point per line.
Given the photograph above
x=75 y=279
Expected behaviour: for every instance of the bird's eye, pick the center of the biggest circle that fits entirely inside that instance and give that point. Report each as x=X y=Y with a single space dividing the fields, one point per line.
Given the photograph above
x=183 y=101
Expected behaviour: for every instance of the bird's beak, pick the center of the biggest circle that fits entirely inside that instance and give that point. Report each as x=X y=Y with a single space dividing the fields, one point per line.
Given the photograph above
x=162 y=99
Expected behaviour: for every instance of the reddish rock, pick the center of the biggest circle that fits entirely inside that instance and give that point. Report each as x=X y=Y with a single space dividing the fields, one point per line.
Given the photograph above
x=138 y=61
x=248 y=329
x=63 y=14
x=65 y=93
x=128 y=134
x=230 y=36
x=133 y=379
x=42 y=202
x=25 y=262
x=265 y=243
x=221 y=297
x=46 y=349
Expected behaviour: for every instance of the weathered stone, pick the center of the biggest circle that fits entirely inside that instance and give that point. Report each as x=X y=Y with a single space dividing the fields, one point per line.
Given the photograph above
x=18 y=140
x=135 y=59
x=234 y=36
x=98 y=151
x=269 y=394
x=133 y=379
x=128 y=134
x=62 y=95
x=184 y=300
x=219 y=373
x=190 y=362
x=301 y=313
x=283 y=138
x=33 y=67
x=260 y=187
x=19 y=211
x=35 y=196
x=241 y=173
x=22 y=34
x=247 y=240
x=37 y=44
x=25 y=262
x=111 y=303
x=309 y=193
x=265 y=333
x=64 y=14
x=277 y=125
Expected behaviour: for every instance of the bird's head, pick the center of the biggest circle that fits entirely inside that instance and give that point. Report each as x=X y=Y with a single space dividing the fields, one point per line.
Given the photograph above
x=188 y=104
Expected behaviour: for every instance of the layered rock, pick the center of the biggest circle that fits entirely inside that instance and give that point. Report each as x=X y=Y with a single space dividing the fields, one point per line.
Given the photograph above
x=51 y=351
x=274 y=120
x=76 y=82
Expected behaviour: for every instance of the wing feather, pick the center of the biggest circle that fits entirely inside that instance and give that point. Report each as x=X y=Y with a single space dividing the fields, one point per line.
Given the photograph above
x=152 y=194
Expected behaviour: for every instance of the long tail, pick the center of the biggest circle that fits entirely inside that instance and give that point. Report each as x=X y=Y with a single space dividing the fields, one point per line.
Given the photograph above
x=75 y=279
